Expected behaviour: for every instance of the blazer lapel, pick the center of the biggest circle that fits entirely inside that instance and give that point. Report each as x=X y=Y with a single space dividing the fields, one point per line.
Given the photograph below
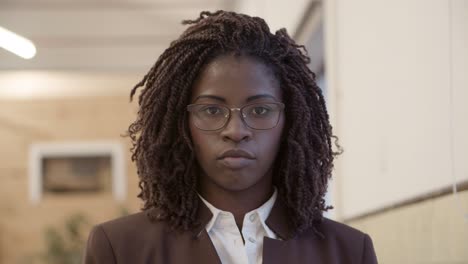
x=277 y=220
x=276 y=250
x=203 y=250
x=290 y=248
x=295 y=250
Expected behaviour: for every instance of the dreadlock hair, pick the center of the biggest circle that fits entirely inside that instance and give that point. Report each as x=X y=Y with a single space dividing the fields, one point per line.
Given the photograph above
x=161 y=141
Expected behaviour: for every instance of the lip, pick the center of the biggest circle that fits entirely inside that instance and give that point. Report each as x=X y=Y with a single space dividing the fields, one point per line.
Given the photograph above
x=235 y=163
x=236 y=153
x=236 y=159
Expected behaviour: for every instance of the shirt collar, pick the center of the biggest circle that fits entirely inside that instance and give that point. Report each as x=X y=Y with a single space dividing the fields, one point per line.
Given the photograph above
x=263 y=211
x=214 y=211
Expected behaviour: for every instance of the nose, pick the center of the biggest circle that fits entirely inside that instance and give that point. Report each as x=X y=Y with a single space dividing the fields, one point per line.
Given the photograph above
x=235 y=129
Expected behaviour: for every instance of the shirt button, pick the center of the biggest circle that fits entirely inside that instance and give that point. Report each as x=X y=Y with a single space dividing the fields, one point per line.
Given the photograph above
x=251 y=240
x=252 y=218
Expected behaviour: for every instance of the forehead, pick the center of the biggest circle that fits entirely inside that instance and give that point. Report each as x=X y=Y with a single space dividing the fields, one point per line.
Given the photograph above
x=236 y=78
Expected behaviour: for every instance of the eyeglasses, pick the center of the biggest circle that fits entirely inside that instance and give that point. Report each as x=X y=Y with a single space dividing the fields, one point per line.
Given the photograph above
x=261 y=116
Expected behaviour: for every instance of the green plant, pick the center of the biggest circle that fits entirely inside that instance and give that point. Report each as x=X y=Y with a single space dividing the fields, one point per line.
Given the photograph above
x=65 y=247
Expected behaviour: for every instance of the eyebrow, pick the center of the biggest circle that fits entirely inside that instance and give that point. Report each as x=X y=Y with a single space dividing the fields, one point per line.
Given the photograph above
x=251 y=98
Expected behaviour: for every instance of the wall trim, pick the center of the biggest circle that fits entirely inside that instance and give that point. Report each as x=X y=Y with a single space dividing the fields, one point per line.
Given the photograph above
x=115 y=150
x=447 y=190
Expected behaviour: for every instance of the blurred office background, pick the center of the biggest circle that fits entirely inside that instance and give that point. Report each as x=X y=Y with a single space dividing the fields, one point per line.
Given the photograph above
x=395 y=74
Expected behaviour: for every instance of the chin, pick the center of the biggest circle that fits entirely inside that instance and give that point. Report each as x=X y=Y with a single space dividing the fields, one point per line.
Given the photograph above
x=238 y=187
x=235 y=182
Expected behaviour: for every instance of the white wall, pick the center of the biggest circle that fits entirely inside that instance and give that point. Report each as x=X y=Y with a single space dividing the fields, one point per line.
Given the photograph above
x=390 y=66
x=277 y=14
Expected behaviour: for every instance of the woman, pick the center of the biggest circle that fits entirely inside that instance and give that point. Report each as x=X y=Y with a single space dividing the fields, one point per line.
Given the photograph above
x=233 y=148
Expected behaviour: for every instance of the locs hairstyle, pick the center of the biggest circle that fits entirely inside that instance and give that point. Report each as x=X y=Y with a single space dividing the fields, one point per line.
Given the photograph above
x=162 y=147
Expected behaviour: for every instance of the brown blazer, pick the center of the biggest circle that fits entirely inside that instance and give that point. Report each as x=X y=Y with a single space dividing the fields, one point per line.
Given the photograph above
x=134 y=239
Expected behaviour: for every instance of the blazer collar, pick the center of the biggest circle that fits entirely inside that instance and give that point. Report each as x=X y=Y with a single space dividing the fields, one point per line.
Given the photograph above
x=278 y=221
x=204 y=216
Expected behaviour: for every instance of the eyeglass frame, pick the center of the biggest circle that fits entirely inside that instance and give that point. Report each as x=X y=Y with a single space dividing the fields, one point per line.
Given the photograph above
x=280 y=104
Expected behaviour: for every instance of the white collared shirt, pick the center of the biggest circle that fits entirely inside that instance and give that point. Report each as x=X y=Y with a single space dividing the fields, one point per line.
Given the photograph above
x=227 y=239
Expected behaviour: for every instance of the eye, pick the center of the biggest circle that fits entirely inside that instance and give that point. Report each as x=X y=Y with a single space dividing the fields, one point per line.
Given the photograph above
x=211 y=110
x=260 y=110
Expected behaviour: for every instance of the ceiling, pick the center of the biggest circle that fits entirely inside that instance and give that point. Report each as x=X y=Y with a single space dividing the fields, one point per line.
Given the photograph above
x=90 y=35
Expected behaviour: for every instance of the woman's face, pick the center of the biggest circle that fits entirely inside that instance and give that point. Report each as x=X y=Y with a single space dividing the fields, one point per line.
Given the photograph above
x=234 y=82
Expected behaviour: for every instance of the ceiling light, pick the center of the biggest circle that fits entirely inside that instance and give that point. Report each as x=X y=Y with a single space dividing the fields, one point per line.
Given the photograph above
x=16 y=44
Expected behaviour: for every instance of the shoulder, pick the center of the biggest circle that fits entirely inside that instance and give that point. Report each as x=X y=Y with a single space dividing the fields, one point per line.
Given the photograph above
x=130 y=223
x=337 y=229
x=120 y=238
x=348 y=241
x=134 y=227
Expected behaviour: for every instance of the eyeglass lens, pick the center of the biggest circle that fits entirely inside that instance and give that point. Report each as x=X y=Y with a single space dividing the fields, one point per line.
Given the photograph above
x=256 y=116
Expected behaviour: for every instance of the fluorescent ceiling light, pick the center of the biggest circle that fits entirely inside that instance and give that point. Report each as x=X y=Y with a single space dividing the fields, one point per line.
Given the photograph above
x=16 y=44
